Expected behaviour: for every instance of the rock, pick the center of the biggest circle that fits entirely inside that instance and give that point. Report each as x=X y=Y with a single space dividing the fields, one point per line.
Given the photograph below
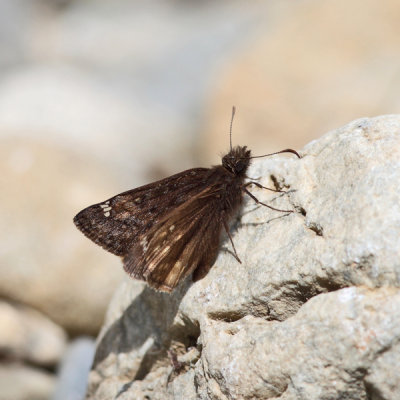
x=74 y=370
x=311 y=313
x=28 y=335
x=383 y=379
x=296 y=79
x=323 y=352
x=45 y=262
x=19 y=382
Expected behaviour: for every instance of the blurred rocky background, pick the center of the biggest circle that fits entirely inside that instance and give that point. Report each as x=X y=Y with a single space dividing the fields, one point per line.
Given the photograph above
x=97 y=97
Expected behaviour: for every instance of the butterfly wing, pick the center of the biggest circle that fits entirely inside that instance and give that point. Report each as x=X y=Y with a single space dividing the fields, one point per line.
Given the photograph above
x=185 y=240
x=117 y=223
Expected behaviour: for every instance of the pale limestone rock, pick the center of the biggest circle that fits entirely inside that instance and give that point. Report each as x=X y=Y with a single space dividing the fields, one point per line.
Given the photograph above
x=383 y=379
x=311 y=313
x=322 y=352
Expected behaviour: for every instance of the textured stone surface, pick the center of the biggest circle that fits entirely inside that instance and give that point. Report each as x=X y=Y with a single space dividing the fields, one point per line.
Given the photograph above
x=323 y=352
x=312 y=313
x=28 y=335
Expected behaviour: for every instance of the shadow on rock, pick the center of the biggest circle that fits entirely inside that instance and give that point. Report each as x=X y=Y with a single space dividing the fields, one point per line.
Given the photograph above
x=149 y=318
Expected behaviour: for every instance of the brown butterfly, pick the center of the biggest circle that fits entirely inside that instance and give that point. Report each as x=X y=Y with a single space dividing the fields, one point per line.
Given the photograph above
x=168 y=229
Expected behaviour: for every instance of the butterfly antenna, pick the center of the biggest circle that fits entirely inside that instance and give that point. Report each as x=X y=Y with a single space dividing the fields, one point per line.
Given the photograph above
x=230 y=129
x=279 y=152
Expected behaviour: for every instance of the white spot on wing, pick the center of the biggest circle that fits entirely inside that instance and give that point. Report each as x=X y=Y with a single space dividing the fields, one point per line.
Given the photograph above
x=106 y=208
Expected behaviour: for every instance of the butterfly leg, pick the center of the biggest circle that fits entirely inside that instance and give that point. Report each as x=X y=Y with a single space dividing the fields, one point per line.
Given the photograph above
x=263 y=204
x=262 y=187
x=230 y=237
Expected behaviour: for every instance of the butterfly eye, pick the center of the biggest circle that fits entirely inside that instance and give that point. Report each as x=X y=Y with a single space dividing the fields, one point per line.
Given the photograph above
x=240 y=166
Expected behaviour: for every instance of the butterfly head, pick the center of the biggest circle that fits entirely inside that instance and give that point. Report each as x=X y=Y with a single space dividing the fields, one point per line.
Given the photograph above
x=237 y=160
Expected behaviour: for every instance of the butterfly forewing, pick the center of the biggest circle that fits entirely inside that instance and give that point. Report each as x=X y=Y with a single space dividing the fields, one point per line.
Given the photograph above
x=185 y=240
x=118 y=222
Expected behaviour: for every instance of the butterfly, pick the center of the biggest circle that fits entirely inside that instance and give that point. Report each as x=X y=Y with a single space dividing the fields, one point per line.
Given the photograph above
x=169 y=229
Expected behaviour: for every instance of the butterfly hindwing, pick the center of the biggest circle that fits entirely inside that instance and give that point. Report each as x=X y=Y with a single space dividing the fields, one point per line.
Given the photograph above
x=118 y=222
x=185 y=240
